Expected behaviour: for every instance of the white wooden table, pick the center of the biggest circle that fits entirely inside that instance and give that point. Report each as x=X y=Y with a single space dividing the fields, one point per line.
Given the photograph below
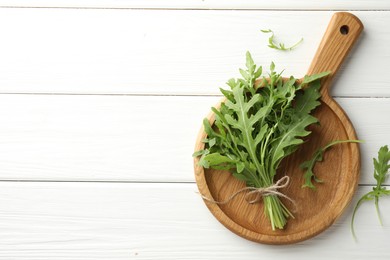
x=101 y=102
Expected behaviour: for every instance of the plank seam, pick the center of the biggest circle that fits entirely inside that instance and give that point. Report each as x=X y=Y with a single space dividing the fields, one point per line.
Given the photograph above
x=195 y=9
x=130 y=182
x=165 y=95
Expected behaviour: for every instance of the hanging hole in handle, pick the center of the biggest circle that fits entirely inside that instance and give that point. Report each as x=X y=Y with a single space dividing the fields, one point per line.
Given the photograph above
x=344 y=29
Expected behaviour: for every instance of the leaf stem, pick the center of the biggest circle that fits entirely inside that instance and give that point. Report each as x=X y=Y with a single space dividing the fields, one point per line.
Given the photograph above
x=360 y=201
x=377 y=209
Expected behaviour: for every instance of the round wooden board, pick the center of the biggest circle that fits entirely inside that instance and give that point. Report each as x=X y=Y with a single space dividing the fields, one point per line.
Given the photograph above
x=316 y=209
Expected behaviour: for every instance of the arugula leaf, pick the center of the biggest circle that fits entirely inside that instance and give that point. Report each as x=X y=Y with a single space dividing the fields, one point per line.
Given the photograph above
x=381 y=172
x=307 y=100
x=279 y=46
x=256 y=127
x=310 y=78
x=318 y=155
x=218 y=161
x=289 y=138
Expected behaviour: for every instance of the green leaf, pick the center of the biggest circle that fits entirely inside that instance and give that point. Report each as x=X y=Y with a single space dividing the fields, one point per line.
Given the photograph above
x=381 y=171
x=307 y=99
x=308 y=79
x=308 y=176
x=381 y=165
x=231 y=83
x=207 y=128
x=290 y=137
x=279 y=46
x=199 y=153
x=227 y=93
x=221 y=129
x=249 y=61
x=318 y=155
x=258 y=72
x=272 y=66
x=240 y=166
x=212 y=142
x=244 y=74
x=261 y=135
x=216 y=159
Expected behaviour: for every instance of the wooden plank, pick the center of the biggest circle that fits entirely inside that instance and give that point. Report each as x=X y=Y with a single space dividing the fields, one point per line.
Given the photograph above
x=99 y=137
x=131 y=138
x=155 y=221
x=210 y=4
x=172 y=52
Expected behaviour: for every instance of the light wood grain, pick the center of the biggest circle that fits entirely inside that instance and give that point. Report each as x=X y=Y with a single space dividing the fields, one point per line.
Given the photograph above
x=158 y=51
x=154 y=221
x=104 y=138
x=209 y=4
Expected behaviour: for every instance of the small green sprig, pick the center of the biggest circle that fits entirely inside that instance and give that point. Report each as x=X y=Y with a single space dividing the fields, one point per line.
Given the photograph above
x=279 y=46
x=318 y=156
x=381 y=170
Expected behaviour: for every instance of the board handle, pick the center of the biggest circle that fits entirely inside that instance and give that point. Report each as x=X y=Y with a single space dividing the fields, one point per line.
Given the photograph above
x=340 y=36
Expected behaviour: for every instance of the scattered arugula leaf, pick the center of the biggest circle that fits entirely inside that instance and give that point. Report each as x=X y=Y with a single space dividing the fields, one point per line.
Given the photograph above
x=279 y=46
x=309 y=175
x=255 y=128
x=381 y=171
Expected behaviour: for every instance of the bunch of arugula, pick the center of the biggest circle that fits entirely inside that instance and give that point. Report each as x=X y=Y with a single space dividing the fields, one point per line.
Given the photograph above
x=257 y=126
x=381 y=171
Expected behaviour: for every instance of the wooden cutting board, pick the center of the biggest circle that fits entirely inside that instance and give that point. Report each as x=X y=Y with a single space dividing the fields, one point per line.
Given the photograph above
x=316 y=209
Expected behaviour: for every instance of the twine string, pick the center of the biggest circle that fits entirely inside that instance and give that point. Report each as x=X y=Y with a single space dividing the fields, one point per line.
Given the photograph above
x=258 y=192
